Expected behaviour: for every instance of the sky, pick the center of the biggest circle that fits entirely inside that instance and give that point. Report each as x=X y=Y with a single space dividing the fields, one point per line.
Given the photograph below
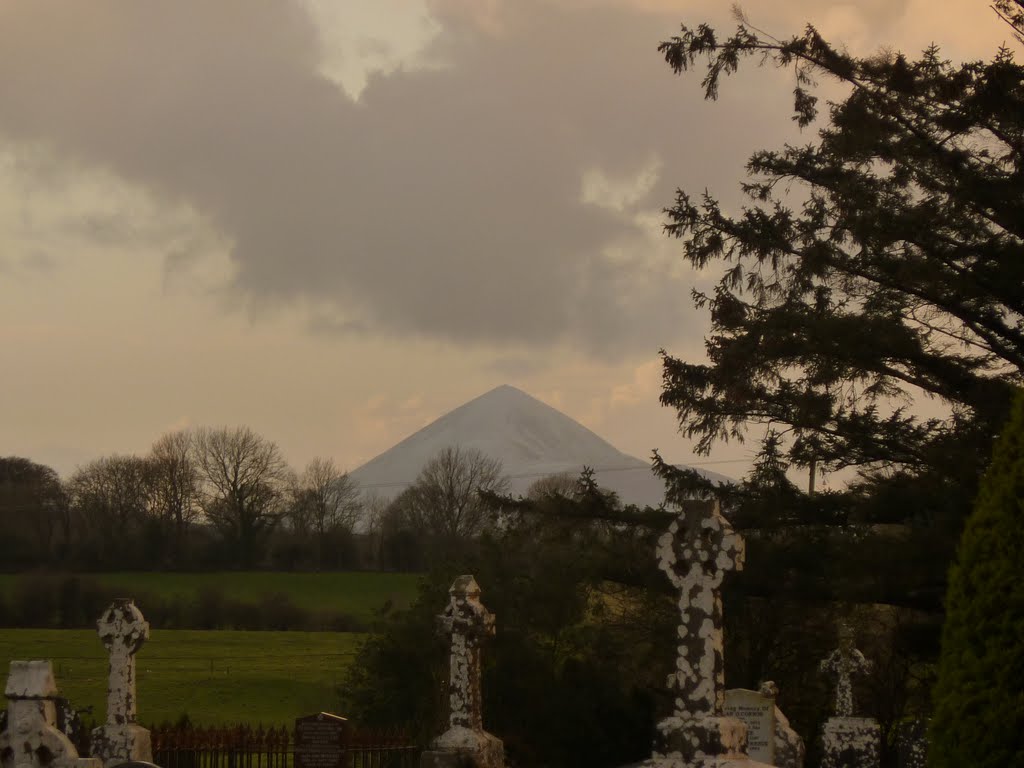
x=335 y=221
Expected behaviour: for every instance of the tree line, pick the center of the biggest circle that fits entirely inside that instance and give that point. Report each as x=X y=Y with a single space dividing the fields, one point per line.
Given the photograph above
x=214 y=498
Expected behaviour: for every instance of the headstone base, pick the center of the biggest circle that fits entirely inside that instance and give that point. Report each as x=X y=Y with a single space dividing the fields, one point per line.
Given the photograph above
x=703 y=762
x=702 y=742
x=851 y=742
x=692 y=737
x=116 y=744
x=464 y=748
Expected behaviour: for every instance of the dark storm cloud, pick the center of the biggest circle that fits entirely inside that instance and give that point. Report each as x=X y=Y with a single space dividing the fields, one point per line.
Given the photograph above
x=444 y=204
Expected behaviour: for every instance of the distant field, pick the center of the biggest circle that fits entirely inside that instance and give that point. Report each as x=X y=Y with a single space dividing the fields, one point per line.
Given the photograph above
x=360 y=594
x=216 y=677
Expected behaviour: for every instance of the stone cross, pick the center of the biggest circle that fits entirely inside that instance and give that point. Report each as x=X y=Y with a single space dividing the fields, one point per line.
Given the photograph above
x=842 y=664
x=123 y=630
x=465 y=621
x=696 y=551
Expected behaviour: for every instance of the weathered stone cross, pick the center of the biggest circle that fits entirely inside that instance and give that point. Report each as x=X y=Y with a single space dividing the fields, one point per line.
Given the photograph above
x=123 y=630
x=465 y=621
x=695 y=552
x=842 y=664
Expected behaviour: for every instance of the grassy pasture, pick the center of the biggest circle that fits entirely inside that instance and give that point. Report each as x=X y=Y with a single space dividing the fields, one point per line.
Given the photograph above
x=360 y=594
x=217 y=677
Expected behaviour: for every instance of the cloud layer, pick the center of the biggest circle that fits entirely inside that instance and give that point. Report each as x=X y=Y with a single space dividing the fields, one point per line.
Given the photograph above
x=500 y=193
x=448 y=202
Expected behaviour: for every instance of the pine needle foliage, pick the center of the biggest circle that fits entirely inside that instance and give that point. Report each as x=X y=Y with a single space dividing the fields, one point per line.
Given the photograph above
x=979 y=705
x=878 y=265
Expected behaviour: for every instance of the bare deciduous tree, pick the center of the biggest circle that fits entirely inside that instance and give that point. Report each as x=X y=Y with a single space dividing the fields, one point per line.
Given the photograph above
x=445 y=501
x=176 y=487
x=559 y=484
x=111 y=499
x=325 y=501
x=245 y=481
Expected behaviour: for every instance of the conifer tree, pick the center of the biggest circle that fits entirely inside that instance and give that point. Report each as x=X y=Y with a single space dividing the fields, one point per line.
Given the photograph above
x=879 y=263
x=979 y=704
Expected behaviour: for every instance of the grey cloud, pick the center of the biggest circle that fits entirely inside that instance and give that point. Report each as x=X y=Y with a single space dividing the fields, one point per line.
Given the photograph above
x=511 y=367
x=445 y=204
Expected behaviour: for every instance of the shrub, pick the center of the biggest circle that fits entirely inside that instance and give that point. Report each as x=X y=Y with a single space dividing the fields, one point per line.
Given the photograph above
x=979 y=710
x=278 y=612
x=35 y=599
x=208 y=611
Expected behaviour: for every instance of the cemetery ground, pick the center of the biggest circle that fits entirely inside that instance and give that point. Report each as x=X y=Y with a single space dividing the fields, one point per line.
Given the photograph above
x=216 y=677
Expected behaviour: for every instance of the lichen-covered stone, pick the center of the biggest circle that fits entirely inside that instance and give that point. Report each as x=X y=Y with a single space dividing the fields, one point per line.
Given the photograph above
x=123 y=630
x=912 y=744
x=465 y=744
x=31 y=738
x=789 y=747
x=842 y=664
x=695 y=553
x=851 y=742
x=460 y=747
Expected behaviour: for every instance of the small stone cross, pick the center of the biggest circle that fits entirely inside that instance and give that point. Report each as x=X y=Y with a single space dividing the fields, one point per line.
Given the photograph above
x=123 y=630
x=466 y=622
x=695 y=552
x=842 y=664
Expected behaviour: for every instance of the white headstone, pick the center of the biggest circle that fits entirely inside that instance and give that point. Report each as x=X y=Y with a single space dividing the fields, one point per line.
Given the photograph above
x=757 y=710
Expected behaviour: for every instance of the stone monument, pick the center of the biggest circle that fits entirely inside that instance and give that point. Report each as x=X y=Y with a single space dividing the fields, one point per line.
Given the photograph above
x=757 y=711
x=320 y=741
x=31 y=738
x=848 y=741
x=123 y=630
x=465 y=622
x=695 y=553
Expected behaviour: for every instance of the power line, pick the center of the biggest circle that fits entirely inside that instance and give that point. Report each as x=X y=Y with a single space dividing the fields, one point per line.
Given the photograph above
x=523 y=475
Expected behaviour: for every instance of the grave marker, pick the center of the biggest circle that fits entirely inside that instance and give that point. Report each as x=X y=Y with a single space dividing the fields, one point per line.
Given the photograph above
x=842 y=664
x=465 y=622
x=320 y=741
x=847 y=741
x=123 y=630
x=757 y=711
x=696 y=552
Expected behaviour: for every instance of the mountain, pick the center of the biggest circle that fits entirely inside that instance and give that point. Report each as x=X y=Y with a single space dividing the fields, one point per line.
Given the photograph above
x=530 y=438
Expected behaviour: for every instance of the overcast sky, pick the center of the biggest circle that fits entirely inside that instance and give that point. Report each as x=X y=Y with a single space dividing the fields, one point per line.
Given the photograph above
x=334 y=221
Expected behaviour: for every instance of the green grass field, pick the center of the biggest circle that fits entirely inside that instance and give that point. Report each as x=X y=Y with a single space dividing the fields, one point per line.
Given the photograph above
x=360 y=594
x=216 y=677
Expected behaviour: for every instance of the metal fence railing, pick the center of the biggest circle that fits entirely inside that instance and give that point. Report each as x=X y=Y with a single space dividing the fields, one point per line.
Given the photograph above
x=259 y=747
